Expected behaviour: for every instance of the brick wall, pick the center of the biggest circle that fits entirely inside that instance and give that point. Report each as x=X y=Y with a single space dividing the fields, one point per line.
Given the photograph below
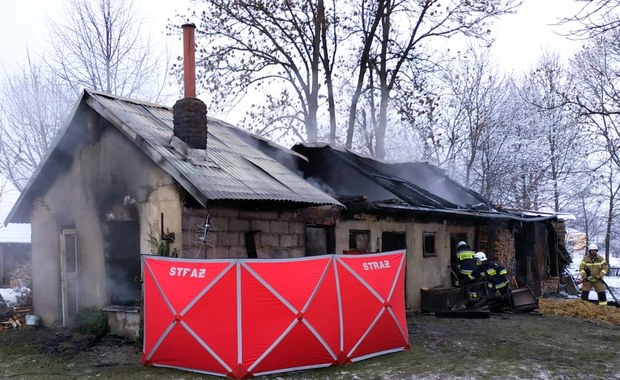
x=190 y=122
x=279 y=234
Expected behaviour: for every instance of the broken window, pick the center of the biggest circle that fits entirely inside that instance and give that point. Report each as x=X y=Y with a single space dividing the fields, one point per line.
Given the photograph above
x=15 y=262
x=359 y=240
x=428 y=244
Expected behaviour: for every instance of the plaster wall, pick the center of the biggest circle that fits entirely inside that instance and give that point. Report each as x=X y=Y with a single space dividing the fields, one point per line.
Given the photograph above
x=164 y=203
x=65 y=205
x=105 y=178
x=422 y=272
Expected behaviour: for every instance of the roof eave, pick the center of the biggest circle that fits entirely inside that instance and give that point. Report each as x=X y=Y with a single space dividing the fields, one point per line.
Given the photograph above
x=463 y=212
x=19 y=213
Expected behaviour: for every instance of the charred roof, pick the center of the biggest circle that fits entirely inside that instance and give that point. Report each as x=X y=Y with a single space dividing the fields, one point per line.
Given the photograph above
x=367 y=184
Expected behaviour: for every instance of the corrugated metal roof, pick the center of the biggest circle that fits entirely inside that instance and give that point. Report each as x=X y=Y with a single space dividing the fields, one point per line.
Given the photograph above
x=233 y=170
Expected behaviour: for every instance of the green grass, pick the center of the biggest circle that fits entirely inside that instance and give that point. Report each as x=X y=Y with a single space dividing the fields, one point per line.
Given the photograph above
x=519 y=346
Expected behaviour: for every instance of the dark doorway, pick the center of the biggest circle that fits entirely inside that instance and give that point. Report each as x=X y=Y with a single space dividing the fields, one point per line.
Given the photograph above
x=455 y=238
x=320 y=240
x=123 y=263
x=391 y=241
x=520 y=270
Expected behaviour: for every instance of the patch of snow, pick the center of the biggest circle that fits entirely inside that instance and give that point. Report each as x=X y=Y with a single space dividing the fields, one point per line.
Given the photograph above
x=13 y=296
x=9 y=296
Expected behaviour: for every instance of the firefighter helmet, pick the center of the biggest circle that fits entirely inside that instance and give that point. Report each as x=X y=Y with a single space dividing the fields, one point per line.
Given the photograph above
x=481 y=256
x=592 y=247
x=461 y=244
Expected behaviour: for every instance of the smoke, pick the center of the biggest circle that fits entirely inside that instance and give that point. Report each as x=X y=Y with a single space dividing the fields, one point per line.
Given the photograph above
x=322 y=186
x=435 y=181
x=124 y=288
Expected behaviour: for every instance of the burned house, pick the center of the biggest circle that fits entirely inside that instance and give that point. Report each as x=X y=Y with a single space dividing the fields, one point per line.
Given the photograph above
x=125 y=178
x=416 y=206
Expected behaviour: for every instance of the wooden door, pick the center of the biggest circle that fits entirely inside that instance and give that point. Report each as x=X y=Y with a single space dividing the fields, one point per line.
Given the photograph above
x=69 y=275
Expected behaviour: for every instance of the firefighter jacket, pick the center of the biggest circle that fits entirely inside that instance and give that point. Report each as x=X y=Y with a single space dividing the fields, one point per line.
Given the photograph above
x=494 y=274
x=595 y=268
x=467 y=263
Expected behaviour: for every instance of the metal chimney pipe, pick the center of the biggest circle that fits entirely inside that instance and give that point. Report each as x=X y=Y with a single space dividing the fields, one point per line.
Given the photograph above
x=189 y=61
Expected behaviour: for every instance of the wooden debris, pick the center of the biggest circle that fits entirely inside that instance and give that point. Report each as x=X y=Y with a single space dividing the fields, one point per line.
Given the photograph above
x=551 y=285
x=17 y=319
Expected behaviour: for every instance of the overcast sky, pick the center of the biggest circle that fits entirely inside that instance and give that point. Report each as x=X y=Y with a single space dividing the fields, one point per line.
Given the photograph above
x=520 y=38
x=23 y=24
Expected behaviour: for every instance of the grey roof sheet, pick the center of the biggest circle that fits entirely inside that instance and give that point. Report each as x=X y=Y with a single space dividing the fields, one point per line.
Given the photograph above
x=233 y=170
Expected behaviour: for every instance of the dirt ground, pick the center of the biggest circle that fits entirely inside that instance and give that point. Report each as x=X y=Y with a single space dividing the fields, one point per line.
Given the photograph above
x=503 y=346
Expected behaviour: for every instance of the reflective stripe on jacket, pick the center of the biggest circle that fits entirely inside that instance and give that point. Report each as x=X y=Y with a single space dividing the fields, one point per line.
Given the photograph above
x=597 y=266
x=494 y=274
x=467 y=262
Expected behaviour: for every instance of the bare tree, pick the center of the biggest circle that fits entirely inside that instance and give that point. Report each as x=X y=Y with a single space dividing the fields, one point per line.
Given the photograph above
x=100 y=45
x=597 y=102
x=285 y=50
x=33 y=107
x=543 y=91
x=472 y=120
x=595 y=17
x=387 y=51
x=281 y=49
x=480 y=94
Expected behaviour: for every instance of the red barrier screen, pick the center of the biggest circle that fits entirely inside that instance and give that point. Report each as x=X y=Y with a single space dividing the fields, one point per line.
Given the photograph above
x=242 y=318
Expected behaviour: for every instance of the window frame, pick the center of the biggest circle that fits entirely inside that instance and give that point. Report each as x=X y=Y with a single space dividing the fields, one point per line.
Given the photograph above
x=353 y=240
x=425 y=251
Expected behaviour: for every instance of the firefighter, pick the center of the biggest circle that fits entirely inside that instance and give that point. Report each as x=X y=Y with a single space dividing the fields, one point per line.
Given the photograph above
x=467 y=264
x=592 y=269
x=494 y=274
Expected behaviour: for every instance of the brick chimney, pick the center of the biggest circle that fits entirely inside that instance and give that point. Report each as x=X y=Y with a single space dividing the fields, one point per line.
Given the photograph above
x=190 y=113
